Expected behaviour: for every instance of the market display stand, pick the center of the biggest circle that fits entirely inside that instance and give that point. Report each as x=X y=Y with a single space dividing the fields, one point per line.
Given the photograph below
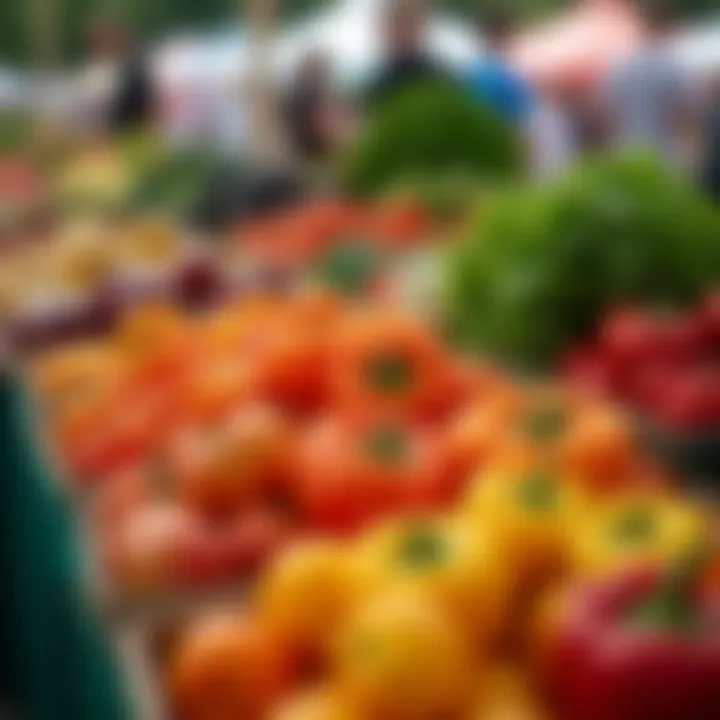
x=52 y=645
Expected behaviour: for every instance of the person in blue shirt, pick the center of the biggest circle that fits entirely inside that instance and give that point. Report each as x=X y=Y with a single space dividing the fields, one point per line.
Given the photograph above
x=492 y=78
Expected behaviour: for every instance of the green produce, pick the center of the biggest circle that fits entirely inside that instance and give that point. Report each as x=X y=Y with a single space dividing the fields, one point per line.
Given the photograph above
x=540 y=265
x=172 y=181
x=431 y=128
x=351 y=267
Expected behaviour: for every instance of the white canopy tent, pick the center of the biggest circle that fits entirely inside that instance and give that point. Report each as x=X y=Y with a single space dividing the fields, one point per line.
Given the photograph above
x=698 y=48
x=348 y=33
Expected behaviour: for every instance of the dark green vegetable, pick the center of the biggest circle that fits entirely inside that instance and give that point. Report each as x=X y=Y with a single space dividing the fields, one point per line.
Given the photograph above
x=432 y=128
x=539 y=266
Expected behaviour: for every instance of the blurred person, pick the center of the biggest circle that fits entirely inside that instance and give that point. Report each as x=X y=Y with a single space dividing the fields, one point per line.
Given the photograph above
x=492 y=78
x=551 y=135
x=648 y=97
x=134 y=102
x=406 y=58
x=123 y=82
x=711 y=143
x=312 y=112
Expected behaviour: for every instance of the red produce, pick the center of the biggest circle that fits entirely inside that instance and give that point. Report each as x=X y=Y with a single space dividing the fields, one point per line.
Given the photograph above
x=228 y=468
x=628 y=336
x=710 y=318
x=692 y=400
x=352 y=472
x=639 y=647
x=653 y=383
x=251 y=538
x=588 y=370
x=161 y=546
x=679 y=337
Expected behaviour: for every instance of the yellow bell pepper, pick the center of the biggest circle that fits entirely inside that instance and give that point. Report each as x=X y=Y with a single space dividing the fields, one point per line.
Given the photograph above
x=306 y=596
x=530 y=514
x=324 y=703
x=447 y=561
x=506 y=694
x=634 y=528
x=401 y=656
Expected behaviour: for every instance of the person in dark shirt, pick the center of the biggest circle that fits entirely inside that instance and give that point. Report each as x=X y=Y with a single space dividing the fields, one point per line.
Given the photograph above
x=131 y=102
x=406 y=61
x=307 y=108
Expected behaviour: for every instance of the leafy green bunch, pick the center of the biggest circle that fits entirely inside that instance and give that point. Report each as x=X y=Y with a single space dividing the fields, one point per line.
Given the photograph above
x=432 y=128
x=539 y=266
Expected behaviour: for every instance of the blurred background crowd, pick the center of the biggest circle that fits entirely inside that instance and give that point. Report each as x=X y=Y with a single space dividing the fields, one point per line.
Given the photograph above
x=573 y=77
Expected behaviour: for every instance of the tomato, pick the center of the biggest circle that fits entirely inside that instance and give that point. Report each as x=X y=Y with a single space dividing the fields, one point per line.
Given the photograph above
x=116 y=435
x=599 y=448
x=122 y=494
x=680 y=337
x=652 y=385
x=160 y=546
x=401 y=657
x=387 y=363
x=710 y=319
x=692 y=401
x=292 y=365
x=628 y=336
x=212 y=389
x=351 y=472
x=454 y=564
x=306 y=595
x=225 y=667
x=223 y=469
x=587 y=370
x=252 y=538
x=320 y=704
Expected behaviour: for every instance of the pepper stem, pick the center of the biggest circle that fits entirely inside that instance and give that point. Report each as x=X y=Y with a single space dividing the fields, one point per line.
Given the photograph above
x=673 y=606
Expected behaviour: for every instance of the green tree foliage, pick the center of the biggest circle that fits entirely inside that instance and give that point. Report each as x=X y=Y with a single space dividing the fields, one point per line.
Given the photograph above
x=147 y=18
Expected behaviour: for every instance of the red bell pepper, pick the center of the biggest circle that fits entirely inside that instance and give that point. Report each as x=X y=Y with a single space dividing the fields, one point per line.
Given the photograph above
x=640 y=647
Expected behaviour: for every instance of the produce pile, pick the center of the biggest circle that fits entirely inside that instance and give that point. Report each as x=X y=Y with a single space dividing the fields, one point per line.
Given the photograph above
x=210 y=423
x=302 y=414
x=500 y=607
